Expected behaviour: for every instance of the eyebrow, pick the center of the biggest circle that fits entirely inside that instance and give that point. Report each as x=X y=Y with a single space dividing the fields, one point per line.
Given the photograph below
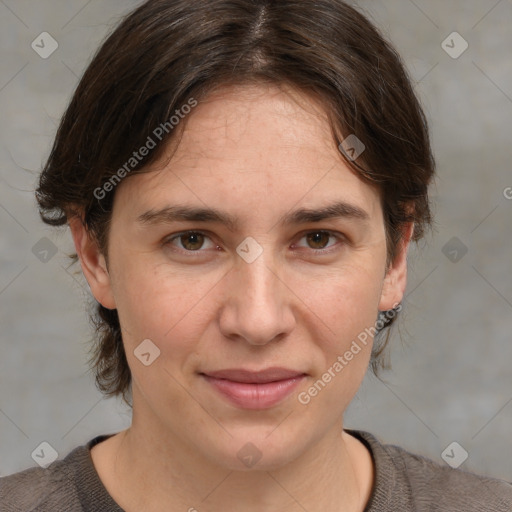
x=170 y=214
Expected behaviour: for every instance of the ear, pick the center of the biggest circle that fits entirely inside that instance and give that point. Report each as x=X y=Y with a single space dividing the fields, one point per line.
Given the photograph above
x=395 y=280
x=93 y=263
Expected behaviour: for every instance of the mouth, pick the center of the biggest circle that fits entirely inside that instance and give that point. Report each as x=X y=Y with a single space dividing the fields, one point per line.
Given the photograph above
x=254 y=389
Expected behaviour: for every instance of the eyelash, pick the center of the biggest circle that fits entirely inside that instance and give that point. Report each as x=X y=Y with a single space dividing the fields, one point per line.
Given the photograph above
x=329 y=249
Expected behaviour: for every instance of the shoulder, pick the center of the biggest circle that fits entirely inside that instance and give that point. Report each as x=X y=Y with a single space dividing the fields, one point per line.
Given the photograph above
x=430 y=486
x=448 y=488
x=60 y=486
x=38 y=489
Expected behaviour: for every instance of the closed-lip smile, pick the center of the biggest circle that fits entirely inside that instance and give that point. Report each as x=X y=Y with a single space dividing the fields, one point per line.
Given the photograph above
x=251 y=389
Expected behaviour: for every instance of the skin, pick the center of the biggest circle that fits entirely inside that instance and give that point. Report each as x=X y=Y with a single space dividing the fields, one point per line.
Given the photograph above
x=257 y=152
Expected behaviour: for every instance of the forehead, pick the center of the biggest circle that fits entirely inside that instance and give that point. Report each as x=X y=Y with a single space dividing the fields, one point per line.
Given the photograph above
x=241 y=122
x=250 y=145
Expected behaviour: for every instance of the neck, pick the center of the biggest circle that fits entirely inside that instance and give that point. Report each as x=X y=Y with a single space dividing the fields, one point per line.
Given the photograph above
x=144 y=469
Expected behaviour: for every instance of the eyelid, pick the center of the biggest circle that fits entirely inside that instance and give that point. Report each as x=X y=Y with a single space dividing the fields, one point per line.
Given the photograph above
x=340 y=237
x=167 y=240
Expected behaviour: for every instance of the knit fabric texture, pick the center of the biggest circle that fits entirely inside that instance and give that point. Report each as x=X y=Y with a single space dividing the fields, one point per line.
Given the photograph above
x=403 y=482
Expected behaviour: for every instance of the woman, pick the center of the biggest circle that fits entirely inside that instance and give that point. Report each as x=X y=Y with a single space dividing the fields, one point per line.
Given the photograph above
x=242 y=180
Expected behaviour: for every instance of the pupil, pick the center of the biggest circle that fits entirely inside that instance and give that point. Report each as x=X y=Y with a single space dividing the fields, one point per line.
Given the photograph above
x=193 y=239
x=316 y=238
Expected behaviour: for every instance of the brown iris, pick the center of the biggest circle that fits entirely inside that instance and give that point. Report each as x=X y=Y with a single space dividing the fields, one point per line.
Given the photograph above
x=319 y=239
x=194 y=240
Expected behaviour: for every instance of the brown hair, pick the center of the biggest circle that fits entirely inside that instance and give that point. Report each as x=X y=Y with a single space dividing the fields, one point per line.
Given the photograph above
x=168 y=51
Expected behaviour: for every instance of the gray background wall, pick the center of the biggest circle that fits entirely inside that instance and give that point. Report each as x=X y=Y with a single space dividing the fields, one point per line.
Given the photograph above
x=451 y=378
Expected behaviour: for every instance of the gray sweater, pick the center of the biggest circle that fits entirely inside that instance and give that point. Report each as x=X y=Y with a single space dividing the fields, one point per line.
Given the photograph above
x=403 y=482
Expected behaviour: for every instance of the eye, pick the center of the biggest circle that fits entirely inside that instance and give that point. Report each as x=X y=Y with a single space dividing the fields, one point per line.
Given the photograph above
x=189 y=241
x=194 y=241
x=318 y=240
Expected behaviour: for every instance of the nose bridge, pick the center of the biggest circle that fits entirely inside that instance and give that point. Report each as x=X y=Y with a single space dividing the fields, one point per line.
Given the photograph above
x=256 y=277
x=258 y=310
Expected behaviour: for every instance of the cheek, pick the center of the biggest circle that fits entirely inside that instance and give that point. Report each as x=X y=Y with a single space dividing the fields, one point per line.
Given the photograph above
x=345 y=299
x=346 y=309
x=345 y=306
x=172 y=310
x=162 y=304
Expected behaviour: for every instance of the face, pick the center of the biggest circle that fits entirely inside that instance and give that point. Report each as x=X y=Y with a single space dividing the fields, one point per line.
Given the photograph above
x=275 y=287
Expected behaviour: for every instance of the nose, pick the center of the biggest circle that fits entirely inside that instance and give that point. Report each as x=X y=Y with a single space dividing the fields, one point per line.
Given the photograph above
x=258 y=306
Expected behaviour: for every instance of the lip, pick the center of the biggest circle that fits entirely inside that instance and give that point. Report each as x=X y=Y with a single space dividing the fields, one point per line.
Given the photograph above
x=255 y=376
x=254 y=390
